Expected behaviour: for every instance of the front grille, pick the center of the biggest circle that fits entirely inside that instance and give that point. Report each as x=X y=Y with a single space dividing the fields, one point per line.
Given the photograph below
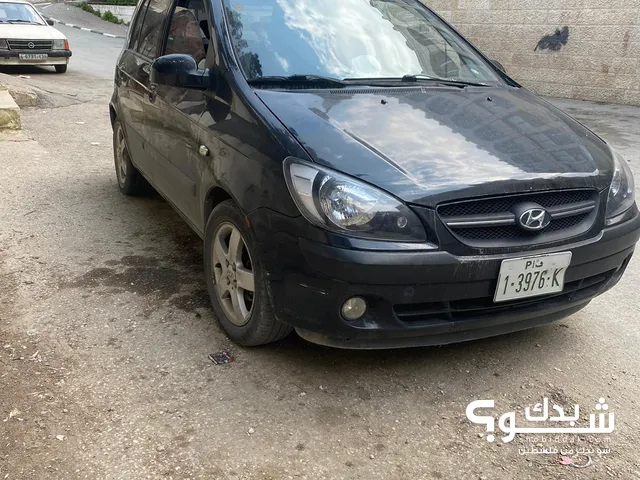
x=566 y=223
x=26 y=45
x=505 y=204
x=492 y=223
x=513 y=232
x=478 y=308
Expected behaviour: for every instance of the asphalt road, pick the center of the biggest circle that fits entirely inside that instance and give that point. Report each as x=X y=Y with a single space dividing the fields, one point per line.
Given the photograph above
x=93 y=54
x=105 y=330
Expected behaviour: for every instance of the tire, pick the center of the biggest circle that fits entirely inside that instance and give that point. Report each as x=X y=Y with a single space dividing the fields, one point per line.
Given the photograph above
x=130 y=180
x=251 y=322
x=61 y=68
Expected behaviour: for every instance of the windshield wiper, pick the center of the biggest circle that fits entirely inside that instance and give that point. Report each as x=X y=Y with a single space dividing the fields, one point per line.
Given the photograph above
x=22 y=21
x=307 y=79
x=444 y=81
x=310 y=79
x=394 y=81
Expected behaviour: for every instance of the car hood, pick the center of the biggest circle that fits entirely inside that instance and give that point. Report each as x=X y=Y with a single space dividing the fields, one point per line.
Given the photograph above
x=428 y=145
x=29 y=32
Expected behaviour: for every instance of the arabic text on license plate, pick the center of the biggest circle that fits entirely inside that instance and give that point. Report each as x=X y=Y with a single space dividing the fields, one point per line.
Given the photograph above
x=531 y=276
x=33 y=56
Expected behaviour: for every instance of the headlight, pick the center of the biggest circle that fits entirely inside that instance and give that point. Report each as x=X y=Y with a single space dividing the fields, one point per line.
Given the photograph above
x=344 y=205
x=622 y=191
x=3 y=44
x=59 y=44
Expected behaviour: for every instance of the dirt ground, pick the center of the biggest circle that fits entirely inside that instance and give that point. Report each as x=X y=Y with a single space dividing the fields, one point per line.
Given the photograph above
x=105 y=333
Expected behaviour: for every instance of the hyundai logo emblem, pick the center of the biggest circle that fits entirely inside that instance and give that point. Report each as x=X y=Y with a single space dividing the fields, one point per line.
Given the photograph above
x=31 y=45
x=534 y=219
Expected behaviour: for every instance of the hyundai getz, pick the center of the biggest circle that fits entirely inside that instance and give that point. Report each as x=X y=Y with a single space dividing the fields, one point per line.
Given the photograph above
x=361 y=173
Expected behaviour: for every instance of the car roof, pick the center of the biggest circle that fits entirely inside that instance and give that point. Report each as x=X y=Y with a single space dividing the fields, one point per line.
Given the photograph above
x=15 y=1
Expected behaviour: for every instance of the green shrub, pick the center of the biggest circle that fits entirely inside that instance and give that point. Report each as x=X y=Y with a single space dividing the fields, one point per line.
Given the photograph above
x=88 y=8
x=130 y=3
x=107 y=15
x=110 y=17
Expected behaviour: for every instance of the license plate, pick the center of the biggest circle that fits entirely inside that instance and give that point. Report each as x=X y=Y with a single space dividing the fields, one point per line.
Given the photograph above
x=33 y=56
x=531 y=276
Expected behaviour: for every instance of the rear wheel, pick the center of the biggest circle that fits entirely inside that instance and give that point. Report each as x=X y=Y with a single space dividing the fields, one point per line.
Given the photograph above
x=236 y=280
x=130 y=180
x=61 y=68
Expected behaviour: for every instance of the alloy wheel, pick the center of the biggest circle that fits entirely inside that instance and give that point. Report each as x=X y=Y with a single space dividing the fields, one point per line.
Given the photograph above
x=120 y=156
x=233 y=274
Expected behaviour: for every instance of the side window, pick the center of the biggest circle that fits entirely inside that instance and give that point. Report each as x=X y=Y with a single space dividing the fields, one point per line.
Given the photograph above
x=134 y=31
x=188 y=30
x=150 y=30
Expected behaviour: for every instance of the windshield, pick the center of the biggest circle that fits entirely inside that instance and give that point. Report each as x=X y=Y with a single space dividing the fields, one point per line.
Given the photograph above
x=19 y=13
x=349 y=39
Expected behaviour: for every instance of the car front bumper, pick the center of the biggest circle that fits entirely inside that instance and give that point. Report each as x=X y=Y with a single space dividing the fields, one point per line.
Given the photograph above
x=54 y=57
x=419 y=298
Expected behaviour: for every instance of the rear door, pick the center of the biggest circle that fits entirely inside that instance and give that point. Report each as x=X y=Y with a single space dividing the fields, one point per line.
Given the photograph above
x=172 y=123
x=131 y=80
x=144 y=48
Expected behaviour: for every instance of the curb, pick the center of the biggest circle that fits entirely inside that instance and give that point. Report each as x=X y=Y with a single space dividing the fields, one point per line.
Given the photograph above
x=84 y=29
x=9 y=112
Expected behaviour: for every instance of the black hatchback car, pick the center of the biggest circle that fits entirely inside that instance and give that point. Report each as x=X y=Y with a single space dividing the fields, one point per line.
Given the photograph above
x=361 y=173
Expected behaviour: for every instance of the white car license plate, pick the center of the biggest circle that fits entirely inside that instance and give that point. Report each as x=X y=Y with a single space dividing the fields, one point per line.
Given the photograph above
x=531 y=276
x=33 y=56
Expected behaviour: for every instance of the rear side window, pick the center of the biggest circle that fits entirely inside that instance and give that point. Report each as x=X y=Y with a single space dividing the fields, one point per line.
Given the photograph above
x=150 y=28
x=134 y=31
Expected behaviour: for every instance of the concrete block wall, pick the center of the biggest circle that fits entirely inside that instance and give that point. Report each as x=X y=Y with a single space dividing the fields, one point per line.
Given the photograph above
x=583 y=49
x=123 y=12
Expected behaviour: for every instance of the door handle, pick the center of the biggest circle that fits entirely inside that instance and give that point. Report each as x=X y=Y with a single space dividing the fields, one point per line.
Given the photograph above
x=153 y=93
x=203 y=151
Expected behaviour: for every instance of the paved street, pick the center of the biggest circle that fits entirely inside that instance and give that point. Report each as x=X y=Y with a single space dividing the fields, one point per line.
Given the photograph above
x=105 y=330
x=93 y=54
x=67 y=13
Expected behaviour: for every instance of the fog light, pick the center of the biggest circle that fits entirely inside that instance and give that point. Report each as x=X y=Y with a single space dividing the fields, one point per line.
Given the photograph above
x=354 y=308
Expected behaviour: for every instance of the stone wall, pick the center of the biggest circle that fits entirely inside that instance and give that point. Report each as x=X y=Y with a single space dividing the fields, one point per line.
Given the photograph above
x=123 y=12
x=583 y=49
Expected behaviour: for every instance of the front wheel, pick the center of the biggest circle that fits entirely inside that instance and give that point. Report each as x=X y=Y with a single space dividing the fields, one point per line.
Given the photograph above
x=61 y=68
x=236 y=280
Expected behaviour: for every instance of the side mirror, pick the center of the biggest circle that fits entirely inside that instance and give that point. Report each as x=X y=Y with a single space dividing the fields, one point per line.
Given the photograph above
x=499 y=66
x=50 y=22
x=178 y=70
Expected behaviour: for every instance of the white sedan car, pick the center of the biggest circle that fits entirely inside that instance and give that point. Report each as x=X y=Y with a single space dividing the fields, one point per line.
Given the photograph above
x=26 y=38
